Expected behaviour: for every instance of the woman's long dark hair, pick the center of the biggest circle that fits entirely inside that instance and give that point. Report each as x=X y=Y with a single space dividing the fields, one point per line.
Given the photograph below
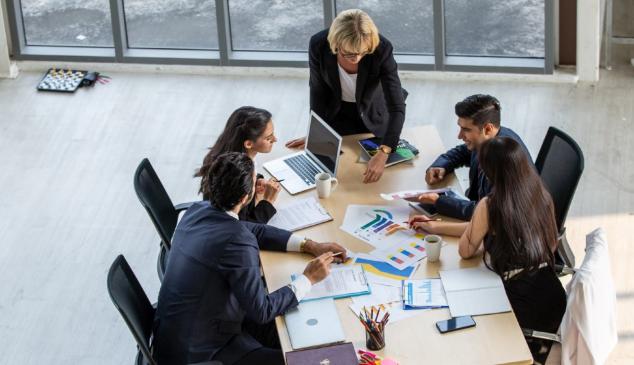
x=245 y=123
x=522 y=226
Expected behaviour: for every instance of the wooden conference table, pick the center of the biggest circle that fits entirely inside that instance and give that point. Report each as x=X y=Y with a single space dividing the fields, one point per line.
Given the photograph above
x=496 y=339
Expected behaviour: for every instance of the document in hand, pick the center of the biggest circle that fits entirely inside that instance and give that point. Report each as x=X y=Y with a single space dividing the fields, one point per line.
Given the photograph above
x=343 y=282
x=300 y=214
x=423 y=294
x=474 y=291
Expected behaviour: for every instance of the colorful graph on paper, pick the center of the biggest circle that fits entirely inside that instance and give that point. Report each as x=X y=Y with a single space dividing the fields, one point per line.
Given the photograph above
x=404 y=253
x=383 y=228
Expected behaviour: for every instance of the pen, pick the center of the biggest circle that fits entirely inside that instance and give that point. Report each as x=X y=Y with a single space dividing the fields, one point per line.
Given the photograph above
x=280 y=180
x=425 y=220
x=333 y=255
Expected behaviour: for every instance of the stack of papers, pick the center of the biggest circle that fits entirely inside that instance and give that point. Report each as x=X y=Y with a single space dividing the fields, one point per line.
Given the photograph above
x=423 y=294
x=300 y=214
x=474 y=291
x=343 y=282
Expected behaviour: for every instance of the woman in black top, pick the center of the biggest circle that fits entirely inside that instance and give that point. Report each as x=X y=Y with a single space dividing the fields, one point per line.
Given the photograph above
x=354 y=84
x=248 y=130
x=515 y=227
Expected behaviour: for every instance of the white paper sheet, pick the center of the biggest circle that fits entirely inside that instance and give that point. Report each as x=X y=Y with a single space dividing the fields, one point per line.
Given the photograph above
x=424 y=293
x=381 y=294
x=380 y=226
x=343 y=281
x=300 y=214
x=474 y=291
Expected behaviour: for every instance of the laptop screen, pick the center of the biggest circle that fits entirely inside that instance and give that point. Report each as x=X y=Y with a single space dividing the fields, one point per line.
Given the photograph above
x=323 y=143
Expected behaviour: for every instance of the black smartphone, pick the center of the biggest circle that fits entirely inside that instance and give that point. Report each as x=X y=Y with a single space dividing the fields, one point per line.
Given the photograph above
x=455 y=323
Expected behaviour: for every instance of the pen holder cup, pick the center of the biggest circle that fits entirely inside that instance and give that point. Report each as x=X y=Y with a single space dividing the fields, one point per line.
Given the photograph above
x=375 y=339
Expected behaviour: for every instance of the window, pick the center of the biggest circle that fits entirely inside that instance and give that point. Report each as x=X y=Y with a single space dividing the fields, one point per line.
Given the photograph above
x=495 y=28
x=274 y=25
x=78 y=23
x=451 y=35
x=409 y=25
x=186 y=24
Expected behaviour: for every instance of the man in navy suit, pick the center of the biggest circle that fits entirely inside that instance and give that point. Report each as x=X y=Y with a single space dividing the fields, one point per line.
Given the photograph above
x=213 y=304
x=479 y=120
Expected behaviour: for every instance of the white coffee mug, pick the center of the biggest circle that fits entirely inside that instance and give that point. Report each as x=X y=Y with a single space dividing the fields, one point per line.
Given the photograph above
x=433 y=244
x=325 y=184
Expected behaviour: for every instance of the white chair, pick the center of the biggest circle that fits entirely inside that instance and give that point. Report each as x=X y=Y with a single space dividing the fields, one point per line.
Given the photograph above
x=588 y=329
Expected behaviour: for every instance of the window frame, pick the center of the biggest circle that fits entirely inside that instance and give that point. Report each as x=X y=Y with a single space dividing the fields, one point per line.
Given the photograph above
x=225 y=56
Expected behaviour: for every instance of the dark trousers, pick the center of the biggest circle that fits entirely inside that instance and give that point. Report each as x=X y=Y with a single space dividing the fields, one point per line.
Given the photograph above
x=269 y=354
x=347 y=121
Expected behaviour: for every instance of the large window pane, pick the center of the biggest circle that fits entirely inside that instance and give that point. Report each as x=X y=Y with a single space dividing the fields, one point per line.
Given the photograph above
x=67 y=23
x=513 y=28
x=409 y=25
x=183 y=24
x=274 y=25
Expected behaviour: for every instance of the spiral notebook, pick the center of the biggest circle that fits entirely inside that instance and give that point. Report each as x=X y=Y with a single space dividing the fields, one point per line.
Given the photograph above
x=300 y=214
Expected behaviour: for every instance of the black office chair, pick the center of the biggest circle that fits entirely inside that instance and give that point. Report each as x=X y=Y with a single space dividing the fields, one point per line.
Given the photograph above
x=130 y=300
x=560 y=164
x=159 y=206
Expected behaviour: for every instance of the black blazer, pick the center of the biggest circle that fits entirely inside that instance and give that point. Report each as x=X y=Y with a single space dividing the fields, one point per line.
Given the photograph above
x=212 y=283
x=261 y=212
x=380 y=97
x=479 y=185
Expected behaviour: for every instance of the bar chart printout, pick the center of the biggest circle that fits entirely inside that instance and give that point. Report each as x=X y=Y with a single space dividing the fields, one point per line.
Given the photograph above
x=384 y=228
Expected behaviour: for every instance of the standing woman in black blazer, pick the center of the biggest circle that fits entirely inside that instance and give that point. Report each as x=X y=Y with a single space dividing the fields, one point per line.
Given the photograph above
x=354 y=84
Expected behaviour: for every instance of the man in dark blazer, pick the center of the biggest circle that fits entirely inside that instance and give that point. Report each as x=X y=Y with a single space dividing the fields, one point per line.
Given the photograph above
x=479 y=120
x=357 y=90
x=212 y=303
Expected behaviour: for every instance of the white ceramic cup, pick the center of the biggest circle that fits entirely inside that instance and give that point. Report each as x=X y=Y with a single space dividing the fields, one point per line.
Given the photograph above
x=433 y=244
x=325 y=184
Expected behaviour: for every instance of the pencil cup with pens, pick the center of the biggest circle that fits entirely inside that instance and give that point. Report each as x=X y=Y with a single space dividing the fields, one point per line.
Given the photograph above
x=374 y=327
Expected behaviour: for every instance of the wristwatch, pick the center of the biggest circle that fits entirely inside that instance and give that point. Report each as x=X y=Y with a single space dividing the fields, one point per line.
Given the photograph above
x=303 y=244
x=385 y=149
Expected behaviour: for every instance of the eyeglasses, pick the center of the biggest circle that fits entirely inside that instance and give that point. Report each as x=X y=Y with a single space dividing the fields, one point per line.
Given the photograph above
x=351 y=56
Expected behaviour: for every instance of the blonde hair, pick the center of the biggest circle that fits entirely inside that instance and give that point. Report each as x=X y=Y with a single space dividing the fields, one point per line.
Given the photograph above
x=353 y=31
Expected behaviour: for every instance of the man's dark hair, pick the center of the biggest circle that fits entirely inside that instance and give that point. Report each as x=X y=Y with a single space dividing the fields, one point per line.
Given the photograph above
x=481 y=109
x=230 y=178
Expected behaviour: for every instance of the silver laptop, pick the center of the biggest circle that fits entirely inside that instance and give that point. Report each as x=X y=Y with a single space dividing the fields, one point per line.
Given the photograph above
x=314 y=323
x=321 y=154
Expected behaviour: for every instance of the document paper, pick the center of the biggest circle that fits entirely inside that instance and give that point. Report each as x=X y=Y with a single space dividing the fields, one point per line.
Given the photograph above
x=423 y=294
x=300 y=214
x=347 y=281
x=474 y=291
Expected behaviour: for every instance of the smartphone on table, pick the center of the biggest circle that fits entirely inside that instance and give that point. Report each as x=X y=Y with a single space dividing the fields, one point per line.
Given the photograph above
x=455 y=323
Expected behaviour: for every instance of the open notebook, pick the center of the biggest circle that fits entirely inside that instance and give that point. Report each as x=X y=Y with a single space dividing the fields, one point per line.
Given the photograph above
x=474 y=291
x=300 y=214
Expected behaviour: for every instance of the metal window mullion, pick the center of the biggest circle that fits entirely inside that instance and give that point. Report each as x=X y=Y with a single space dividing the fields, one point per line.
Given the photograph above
x=439 y=34
x=330 y=12
x=119 y=35
x=16 y=27
x=549 y=36
x=224 y=31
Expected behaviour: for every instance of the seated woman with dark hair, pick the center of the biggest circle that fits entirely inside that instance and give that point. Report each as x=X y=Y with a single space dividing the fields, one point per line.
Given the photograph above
x=515 y=227
x=249 y=130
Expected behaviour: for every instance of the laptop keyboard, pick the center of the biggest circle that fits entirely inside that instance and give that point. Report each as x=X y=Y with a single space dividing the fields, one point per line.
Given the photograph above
x=303 y=168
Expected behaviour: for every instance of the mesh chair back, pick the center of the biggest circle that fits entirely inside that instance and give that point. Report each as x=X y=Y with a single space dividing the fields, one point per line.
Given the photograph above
x=560 y=164
x=155 y=200
x=130 y=300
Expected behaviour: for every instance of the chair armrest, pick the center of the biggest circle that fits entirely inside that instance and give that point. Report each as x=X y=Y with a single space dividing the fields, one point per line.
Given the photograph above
x=541 y=335
x=183 y=206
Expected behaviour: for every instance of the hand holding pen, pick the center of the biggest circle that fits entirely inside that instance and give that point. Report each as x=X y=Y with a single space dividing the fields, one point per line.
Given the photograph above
x=423 y=223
